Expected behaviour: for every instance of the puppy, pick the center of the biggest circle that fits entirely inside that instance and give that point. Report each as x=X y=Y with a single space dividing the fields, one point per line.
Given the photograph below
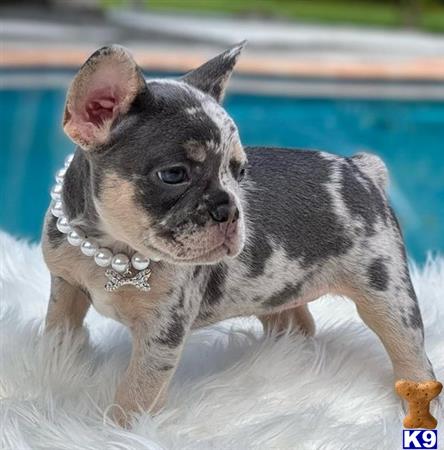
x=159 y=169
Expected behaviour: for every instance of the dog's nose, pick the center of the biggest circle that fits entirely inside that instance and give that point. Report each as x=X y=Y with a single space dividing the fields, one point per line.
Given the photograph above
x=222 y=207
x=224 y=212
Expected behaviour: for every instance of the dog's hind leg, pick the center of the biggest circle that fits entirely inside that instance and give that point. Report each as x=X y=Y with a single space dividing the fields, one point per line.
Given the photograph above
x=401 y=332
x=382 y=290
x=298 y=318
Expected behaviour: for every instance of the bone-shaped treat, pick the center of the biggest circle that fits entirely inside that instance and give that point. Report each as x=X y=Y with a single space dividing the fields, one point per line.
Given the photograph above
x=418 y=397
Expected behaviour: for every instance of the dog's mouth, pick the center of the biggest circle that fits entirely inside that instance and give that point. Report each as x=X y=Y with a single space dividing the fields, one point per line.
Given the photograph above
x=229 y=245
x=208 y=256
x=204 y=257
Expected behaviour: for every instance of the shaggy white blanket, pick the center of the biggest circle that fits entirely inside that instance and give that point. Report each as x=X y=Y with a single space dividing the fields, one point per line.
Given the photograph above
x=234 y=388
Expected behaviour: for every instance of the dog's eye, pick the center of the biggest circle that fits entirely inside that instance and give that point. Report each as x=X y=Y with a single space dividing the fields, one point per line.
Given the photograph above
x=173 y=175
x=237 y=169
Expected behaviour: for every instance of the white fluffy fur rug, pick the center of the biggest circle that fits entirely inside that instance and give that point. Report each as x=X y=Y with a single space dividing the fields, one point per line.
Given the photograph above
x=234 y=388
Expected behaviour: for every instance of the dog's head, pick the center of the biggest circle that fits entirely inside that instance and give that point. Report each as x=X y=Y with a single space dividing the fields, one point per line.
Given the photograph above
x=165 y=158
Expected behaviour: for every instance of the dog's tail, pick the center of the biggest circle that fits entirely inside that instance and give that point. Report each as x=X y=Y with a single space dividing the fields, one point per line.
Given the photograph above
x=373 y=166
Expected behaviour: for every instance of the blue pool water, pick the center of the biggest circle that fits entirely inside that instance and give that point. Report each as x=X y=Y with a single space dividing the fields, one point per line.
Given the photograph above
x=408 y=135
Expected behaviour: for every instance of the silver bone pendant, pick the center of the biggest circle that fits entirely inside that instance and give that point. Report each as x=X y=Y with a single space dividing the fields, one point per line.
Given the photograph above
x=117 y=280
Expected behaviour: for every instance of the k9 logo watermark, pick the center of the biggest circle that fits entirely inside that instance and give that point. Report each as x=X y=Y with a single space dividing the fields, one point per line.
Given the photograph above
x=420 y=439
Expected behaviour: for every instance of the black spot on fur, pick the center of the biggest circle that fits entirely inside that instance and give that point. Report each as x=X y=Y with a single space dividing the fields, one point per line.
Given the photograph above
x=415 y=317
x=165 y=367
x=289 y=292
x=172 y=336
x=409 y=288
x=197 y=271
x=377 y=275
x=407 y=281
x=55 y=237
x=405 y=321
x=215 y=285
x=170 y=292
x=364 y=202
x=181 y=301
x=257 y=253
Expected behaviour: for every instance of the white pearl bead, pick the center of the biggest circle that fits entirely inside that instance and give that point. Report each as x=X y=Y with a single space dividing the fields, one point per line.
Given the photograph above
x=103 y=257
x=69 y=159
x=57 y=208
x=89 y=247
x=155 y=259
x=56 y=192
x=140 y=262
x=76 y=237
x=120 y=262
x=60 y=175
x=63 y=225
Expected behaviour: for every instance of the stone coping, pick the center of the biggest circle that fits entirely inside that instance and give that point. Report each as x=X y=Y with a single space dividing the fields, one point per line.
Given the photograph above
x=413 y=68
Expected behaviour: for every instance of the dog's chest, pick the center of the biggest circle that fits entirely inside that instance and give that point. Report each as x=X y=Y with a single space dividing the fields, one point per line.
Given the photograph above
x=103 y=303
x=128 y=303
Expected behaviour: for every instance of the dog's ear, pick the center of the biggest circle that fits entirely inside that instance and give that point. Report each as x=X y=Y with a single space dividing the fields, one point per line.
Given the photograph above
x=213 y=76
x=103 y=90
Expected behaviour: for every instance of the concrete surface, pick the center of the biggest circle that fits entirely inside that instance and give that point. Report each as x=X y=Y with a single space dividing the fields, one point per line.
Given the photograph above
x=306 y=58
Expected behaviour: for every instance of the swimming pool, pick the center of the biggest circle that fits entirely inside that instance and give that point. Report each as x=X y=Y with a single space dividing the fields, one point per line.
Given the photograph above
x=408 y=135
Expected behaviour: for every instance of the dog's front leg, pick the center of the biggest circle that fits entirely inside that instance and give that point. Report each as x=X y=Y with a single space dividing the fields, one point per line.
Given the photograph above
x=158 y=336
x=68 y=305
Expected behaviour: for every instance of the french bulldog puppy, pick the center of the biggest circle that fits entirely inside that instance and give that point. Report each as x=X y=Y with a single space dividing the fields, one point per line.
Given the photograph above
x=159 y=169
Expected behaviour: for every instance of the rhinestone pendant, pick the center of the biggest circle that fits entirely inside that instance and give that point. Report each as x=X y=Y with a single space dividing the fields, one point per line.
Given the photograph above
x=117 y=280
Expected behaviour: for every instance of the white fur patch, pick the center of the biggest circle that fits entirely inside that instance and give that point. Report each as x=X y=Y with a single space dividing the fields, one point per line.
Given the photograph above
x=374 y=167
x=192 y=111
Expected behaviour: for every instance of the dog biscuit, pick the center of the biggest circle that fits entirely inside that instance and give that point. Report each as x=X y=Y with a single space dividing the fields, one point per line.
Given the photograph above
x=418 y=397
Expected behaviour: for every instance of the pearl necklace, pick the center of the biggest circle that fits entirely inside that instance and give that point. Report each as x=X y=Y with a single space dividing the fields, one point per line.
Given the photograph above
x=125 y=271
